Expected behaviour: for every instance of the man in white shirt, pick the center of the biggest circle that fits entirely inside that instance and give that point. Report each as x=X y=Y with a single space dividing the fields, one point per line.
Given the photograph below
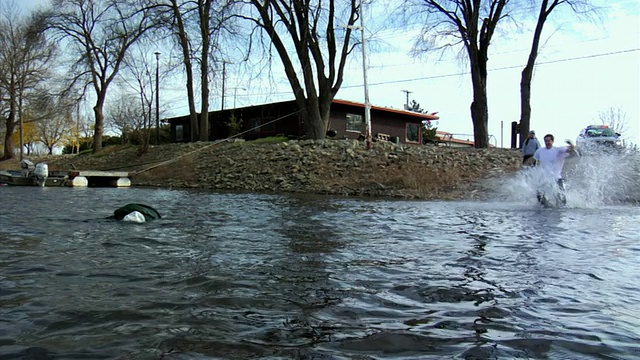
x=550 y=159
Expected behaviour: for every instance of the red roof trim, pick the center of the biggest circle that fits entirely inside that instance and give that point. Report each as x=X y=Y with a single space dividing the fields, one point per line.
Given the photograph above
x=390 y=110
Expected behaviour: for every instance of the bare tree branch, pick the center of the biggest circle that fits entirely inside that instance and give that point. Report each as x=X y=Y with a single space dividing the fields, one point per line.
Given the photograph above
x=314 y=69
x=101 y=32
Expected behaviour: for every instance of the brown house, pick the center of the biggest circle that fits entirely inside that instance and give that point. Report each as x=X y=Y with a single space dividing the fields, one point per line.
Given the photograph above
x=346 y=120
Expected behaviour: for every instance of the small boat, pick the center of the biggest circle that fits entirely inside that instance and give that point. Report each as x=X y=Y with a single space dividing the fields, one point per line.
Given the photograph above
x=30 y=175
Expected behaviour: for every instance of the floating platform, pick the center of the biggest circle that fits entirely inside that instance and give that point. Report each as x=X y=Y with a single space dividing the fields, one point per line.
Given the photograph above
x=92 y=178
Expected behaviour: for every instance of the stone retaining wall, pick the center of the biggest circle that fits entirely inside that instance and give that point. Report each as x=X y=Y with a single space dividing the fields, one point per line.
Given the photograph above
x=338 y=167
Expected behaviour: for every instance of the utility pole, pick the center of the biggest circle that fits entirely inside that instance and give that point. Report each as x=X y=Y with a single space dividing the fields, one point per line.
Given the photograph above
x=235 y=94
x=406 y=106
x=157 y=98
x=367 y=104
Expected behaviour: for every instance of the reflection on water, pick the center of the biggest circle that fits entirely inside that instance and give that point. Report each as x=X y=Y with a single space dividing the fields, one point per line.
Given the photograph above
x=280 y=276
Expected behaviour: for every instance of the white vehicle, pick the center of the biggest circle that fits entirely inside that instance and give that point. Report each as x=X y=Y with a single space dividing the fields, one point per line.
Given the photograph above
x=598 y=137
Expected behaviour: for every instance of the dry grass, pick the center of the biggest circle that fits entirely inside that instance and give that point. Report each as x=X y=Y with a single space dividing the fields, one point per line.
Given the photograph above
x=11 y=164
x=409 y=175
x=182 y=169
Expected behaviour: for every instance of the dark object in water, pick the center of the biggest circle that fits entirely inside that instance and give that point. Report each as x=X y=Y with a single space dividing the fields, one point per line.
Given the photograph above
x=146 y=210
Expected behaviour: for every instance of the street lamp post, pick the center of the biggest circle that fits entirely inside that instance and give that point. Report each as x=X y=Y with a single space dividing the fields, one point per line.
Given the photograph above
x=157 y=53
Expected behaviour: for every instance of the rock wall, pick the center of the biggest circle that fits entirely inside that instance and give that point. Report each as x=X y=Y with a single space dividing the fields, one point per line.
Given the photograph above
x=337 y=167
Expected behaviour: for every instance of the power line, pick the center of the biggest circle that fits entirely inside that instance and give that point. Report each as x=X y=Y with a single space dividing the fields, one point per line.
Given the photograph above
x=464 y=73
x=498 y=69
x=512 y=51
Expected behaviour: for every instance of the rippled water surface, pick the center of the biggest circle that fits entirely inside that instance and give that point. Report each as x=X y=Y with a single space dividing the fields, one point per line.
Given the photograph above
x=239 y=276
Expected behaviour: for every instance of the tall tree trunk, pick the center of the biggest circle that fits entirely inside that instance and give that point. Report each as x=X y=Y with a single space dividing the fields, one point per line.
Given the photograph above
x=10 y=122
x=204 y=107
x=186 y=59
x=525 y=103
x=204 y=8
x=480 y=116
x=479 y=106
x=527 y=72
x=315 y=117
x=99 y=126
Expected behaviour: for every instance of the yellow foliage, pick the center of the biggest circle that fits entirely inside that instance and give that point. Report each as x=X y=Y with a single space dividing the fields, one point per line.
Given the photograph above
x=29 y=134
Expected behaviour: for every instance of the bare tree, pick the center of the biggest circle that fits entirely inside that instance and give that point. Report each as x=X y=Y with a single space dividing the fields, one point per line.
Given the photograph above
x=129 y=119
x=179 y=29
x=138 y=77
x=471 y=23
x=306 y=36
x=197 y=26
x=101 y=32
x=545 y=9
x=50 y=115
x=9 y=58
x=24 y=54
x=53 y=132
x=615 y=118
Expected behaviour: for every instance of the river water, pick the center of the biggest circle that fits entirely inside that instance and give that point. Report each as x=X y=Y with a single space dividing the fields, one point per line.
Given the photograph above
x=241 y=276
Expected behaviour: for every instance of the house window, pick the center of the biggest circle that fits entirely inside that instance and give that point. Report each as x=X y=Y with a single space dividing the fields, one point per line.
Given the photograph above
x=179 y=132
x=354 y=123
x=254 y=125
x=413 y=133
x=262 y=125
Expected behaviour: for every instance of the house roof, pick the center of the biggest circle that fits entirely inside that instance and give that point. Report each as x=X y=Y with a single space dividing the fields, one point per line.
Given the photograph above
x=422 y=116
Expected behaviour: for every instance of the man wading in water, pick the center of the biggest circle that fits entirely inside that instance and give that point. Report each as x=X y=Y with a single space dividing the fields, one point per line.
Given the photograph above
x=550 y=159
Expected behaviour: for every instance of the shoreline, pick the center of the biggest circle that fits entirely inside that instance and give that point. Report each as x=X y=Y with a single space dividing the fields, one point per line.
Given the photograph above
x=325 y=167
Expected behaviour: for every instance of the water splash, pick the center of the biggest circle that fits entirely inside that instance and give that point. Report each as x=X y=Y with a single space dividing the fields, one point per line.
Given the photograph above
x=592 y=180
x=604 y=178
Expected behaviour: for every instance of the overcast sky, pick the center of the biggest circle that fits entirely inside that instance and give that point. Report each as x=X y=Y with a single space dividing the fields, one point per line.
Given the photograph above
x=583 y=68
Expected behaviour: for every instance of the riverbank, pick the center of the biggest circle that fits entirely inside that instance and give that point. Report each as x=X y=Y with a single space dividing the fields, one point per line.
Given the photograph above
x=334 y=167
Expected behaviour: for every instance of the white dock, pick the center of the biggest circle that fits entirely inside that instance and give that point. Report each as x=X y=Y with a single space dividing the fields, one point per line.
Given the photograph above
x=92 y=178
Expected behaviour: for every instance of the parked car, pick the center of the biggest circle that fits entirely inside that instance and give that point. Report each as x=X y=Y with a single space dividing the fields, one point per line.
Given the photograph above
x=598 y=138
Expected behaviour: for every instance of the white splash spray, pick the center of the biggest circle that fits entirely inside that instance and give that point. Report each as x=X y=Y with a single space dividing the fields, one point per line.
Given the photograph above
x=591 y=181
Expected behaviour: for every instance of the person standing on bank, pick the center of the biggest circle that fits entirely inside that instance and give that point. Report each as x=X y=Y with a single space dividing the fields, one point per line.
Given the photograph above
x=529 y=147
x=550 y=159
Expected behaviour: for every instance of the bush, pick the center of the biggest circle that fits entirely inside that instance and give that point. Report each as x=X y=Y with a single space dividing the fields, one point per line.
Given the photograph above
x=234 y=124
x=429 y=135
